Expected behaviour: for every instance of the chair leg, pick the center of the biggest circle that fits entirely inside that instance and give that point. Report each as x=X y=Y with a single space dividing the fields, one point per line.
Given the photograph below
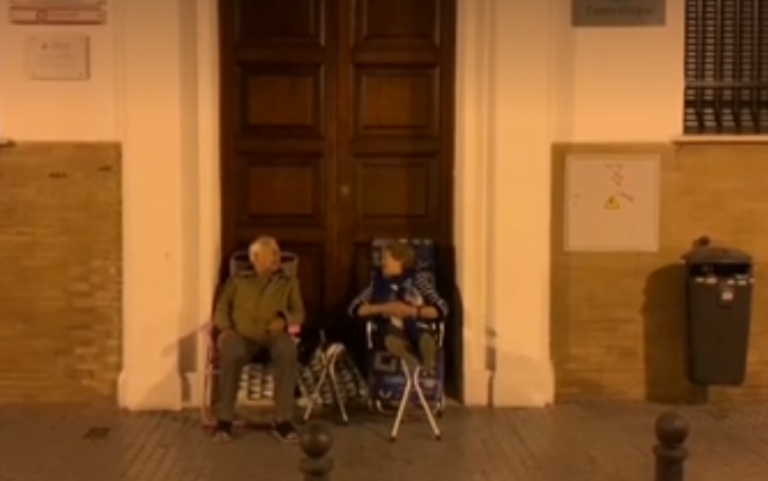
x=206 y=407
x=302 y=387
x=315 y=396
x=335 y=386
x=329 y=374
x=425 y=405
x=403 y=402
x=412 y=383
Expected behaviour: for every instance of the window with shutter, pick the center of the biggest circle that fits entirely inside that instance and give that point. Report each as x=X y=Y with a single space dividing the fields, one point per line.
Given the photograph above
x=726 y=67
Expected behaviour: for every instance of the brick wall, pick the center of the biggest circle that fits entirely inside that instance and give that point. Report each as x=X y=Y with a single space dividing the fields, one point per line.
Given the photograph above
x=618 y=319
x=60 y=254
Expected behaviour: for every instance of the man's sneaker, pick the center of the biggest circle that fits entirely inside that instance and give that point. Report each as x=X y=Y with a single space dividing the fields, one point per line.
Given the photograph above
x=285 y=431
x=222 y=432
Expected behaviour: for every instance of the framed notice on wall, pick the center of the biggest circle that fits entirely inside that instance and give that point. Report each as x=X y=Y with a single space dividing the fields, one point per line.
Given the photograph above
x=612 y=203
x=58 y=57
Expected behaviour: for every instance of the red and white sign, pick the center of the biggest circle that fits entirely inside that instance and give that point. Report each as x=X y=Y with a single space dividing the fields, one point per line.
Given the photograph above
x=57 y=16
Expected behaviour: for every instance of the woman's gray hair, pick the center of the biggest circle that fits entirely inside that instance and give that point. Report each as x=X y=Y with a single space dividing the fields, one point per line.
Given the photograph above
x=263 y=244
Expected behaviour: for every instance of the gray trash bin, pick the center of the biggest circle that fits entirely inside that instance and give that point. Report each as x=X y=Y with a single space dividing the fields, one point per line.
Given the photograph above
x=719 y=302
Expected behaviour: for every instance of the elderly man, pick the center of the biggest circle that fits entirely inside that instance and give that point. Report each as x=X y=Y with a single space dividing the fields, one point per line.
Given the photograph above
x=253 y=313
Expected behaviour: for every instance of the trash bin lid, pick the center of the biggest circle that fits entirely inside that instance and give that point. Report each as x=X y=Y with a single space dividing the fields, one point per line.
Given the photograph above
x=717 y=255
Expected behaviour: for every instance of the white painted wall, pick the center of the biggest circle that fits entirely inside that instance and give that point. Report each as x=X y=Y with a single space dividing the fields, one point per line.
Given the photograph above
x=526 y=80
x=626 y=84
x=56 y=110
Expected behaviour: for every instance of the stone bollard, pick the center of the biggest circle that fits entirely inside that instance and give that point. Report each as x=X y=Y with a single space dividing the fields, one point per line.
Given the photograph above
x=316 y=441
x=670 y=451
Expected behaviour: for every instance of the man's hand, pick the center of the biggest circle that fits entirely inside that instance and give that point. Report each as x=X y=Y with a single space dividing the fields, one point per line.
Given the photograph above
x=223 y=335
x=277 y=326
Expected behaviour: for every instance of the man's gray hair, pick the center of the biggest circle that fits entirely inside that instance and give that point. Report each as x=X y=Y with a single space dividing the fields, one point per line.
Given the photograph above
x=263 y=244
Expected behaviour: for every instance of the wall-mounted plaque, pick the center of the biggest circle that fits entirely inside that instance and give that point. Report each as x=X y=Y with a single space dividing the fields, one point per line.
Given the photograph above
x=57 y=16
x=58 y=57
x=618 y=13
x=58 y=12
x=57 y=3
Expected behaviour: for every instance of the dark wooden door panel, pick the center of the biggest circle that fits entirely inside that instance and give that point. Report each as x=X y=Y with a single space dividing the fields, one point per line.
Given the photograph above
x=397 y=24
x=395 y=194
x=277 y=133
x=282 y=100
x=336 y=128
x=286 y=194
x=397 y=145
x=279 y=22
x=396 y=101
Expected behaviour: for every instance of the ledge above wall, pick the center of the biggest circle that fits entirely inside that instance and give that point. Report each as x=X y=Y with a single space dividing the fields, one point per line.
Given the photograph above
x=720 y=139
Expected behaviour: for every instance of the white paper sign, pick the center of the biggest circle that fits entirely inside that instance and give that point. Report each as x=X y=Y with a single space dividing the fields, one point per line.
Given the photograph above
x=58 y=57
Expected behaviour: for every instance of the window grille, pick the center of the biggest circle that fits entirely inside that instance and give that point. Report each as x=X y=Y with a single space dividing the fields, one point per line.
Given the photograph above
x=726 y=67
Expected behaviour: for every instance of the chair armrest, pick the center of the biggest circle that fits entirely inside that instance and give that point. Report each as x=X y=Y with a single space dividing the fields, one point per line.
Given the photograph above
x=294 y=330
x=439 y=331
x=370 y=329
x=208 y=334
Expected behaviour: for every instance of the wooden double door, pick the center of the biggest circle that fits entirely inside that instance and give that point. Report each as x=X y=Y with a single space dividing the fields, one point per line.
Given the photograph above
x=337 y=127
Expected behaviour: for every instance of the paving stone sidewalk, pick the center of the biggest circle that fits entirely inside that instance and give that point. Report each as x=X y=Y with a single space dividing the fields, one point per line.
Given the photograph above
x=565 y=443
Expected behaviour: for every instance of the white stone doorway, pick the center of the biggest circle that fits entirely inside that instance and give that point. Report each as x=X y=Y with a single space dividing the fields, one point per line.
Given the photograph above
x=502 y=176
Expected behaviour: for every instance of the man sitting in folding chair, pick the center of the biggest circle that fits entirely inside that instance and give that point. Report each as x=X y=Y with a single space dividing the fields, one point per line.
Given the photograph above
x=254 y=313
x=405 y=304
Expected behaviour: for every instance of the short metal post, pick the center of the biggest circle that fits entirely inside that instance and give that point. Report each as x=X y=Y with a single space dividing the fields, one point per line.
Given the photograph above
x=315 y=441
x=670 y=451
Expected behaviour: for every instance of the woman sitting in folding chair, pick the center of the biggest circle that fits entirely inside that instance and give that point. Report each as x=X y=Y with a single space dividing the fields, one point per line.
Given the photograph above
x=405 y=305
x=254 y=313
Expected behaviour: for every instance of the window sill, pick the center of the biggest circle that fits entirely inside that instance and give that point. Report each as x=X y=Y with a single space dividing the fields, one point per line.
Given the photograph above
x=720 y=139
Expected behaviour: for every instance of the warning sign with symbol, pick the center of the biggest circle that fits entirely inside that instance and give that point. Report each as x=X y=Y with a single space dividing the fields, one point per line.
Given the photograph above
x=612 y=203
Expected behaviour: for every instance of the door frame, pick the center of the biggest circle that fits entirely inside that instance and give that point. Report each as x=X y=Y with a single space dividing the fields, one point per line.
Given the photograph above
x=471 y=198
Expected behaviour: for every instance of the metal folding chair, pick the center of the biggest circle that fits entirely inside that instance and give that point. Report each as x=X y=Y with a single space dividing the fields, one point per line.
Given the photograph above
x=413 y=385
x=256 y=381
x=329 y=355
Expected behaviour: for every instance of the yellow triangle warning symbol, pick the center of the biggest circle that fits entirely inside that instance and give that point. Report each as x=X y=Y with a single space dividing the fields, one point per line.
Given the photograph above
x=612 y=203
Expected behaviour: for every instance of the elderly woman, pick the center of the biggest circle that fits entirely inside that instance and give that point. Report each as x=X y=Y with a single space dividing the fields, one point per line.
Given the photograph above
x=405 y=300
x=253 y=313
